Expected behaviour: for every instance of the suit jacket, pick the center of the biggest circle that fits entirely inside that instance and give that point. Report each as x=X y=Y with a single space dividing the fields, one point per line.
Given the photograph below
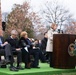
x=12 y=42
x=2 y=39
x=43 y=43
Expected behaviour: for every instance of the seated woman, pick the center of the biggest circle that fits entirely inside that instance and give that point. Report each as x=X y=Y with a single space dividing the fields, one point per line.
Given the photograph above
x=25 y=53
x=27 y=50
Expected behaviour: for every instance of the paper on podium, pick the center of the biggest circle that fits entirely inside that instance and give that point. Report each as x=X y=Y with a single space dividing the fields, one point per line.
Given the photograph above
x=26 y=49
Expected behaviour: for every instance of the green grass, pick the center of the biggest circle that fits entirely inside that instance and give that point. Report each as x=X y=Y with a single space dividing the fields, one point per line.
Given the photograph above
x=44 y=70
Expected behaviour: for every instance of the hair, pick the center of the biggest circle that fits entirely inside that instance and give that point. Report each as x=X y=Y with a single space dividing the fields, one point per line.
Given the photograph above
x=14 y=32
x=36 y=39
x=23 y=34
x=53 y=24
x=45 y=33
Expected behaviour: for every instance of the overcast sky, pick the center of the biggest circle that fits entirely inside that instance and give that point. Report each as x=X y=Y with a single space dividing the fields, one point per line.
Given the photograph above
x=6 y=5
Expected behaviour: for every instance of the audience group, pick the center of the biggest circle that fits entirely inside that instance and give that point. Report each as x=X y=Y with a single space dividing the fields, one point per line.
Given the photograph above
x=24 y=48
x=28 y=51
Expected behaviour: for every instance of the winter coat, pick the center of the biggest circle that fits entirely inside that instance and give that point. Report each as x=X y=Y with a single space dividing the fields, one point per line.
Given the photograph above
x=49 y=47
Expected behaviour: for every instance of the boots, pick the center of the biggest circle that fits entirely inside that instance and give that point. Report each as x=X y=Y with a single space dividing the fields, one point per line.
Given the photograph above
x=28 y=65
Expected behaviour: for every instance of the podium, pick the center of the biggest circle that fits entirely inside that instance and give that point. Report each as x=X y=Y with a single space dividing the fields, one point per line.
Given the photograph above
x=61 y=57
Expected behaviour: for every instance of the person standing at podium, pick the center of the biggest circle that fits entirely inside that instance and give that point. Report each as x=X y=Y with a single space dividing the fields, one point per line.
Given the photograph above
x=49 y=47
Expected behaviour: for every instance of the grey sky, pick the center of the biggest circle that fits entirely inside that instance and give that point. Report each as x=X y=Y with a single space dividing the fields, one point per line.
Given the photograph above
x=6 y=5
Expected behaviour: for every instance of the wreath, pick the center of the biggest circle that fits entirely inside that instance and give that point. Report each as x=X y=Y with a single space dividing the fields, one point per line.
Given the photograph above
x=72 y=49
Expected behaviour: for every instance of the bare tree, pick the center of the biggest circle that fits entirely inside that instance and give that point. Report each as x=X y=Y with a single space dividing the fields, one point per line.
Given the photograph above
x=71 y=29
x=36 y=20
x=53 y=12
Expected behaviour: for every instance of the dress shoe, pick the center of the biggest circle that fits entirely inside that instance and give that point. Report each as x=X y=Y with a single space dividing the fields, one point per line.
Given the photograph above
x=35 y=67
x=20 y=68
x=13 y=69
x=7 y=61
x=2 y=62
x=27 y=67
x=3 y=66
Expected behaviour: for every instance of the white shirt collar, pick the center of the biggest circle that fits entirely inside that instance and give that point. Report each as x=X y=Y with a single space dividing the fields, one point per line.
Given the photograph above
x=11 y=37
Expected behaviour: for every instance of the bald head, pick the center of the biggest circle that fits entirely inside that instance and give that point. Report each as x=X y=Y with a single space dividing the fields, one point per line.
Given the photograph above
x=14 y=34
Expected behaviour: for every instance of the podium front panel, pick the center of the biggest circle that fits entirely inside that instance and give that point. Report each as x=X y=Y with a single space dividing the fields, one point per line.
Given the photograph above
x=61 y=57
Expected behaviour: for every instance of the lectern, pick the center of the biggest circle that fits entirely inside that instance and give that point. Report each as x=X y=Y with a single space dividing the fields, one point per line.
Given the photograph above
x=61 y=57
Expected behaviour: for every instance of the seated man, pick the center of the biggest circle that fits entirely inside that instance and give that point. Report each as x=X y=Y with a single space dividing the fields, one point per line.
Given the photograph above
x=13 y=41
x=5 y=49
x=36 y=47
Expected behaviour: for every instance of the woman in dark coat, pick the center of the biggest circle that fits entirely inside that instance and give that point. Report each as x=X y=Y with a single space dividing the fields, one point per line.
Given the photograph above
x=25 y=52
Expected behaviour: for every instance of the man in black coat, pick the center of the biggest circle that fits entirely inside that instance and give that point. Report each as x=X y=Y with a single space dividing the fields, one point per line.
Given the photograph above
x=44 y=43
x=13 y=41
